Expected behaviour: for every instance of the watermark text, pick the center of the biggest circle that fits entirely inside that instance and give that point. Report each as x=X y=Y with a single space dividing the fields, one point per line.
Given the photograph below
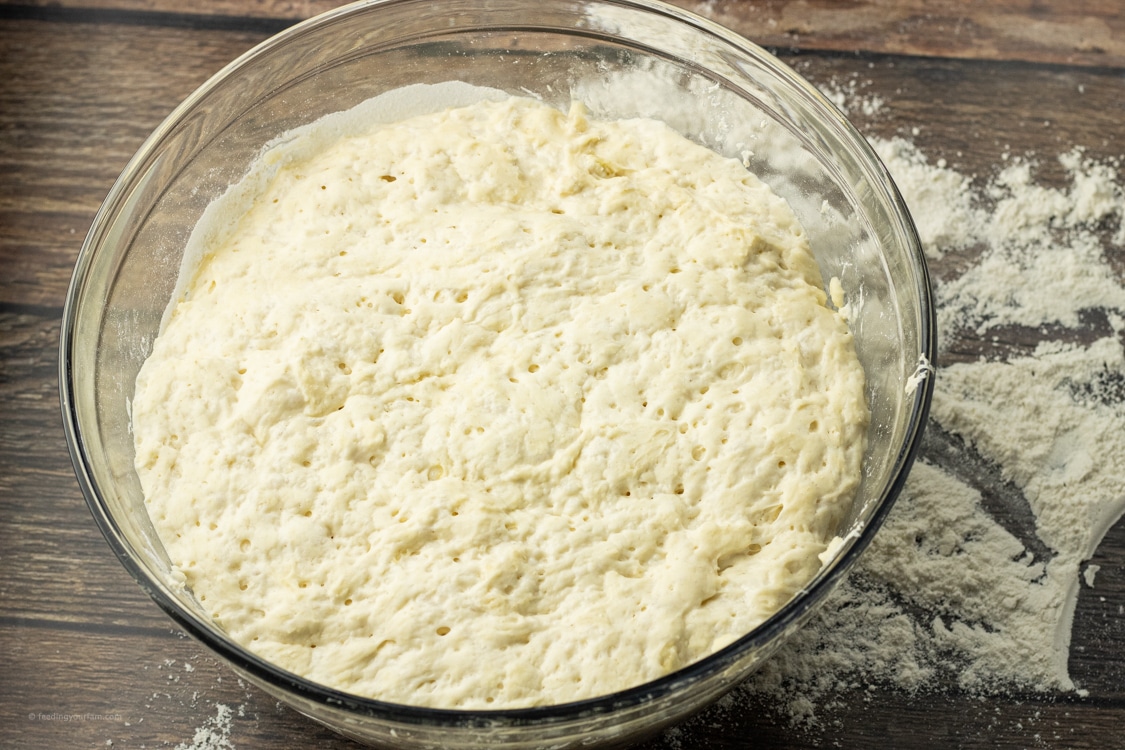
x=56 y=716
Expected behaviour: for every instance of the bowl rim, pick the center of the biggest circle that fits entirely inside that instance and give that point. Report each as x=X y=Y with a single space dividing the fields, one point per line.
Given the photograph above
x=553 y=714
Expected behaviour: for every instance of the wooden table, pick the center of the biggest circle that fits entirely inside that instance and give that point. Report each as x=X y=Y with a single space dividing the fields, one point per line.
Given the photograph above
x=87 y=660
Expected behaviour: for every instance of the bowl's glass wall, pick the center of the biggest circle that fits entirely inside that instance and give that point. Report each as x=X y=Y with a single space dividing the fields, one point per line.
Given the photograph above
x=621 y=60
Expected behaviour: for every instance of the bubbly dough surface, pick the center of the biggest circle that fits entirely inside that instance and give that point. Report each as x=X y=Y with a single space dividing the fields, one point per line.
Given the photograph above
x=500 y=407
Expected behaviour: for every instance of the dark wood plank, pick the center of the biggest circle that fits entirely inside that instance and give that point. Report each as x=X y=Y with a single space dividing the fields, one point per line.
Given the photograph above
x=58 y=567
x=1086 y=32
x=76 y=101
x=135 y=690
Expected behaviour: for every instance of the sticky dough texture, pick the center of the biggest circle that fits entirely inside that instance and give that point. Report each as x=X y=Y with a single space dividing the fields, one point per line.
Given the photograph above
x=500 y=407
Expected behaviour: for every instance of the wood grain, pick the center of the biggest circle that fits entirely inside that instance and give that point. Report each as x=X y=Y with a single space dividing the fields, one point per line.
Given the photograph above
x=1088 y=32
x=83 y=83
x=78 y=100
x=1085 y=32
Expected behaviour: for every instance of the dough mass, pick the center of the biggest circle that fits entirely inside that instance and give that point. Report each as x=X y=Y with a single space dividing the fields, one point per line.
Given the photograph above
x=499 y=407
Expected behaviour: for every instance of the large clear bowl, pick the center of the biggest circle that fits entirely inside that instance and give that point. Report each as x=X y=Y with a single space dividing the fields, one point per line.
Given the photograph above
x=622 y=58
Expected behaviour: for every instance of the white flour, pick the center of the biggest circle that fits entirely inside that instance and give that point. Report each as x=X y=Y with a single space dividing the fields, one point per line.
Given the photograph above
x=214 y=734
x=948 y=593
x=1043 y=260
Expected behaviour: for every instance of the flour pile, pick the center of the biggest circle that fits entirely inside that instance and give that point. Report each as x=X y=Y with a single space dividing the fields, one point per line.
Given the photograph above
x=973 y=580
x=214 y=734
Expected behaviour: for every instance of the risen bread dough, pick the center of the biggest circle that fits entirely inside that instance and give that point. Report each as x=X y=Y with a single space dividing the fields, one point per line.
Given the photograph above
x=500 y=407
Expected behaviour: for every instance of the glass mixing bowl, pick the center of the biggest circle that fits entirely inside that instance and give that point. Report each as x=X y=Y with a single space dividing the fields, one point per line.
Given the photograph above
x=622 y=58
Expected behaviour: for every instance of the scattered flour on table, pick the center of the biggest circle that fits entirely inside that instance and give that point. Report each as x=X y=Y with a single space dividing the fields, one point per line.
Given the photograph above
x=214 y=734
x=1043 y=258
x=850 y=96
x=203 y=691
x=946 y=594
